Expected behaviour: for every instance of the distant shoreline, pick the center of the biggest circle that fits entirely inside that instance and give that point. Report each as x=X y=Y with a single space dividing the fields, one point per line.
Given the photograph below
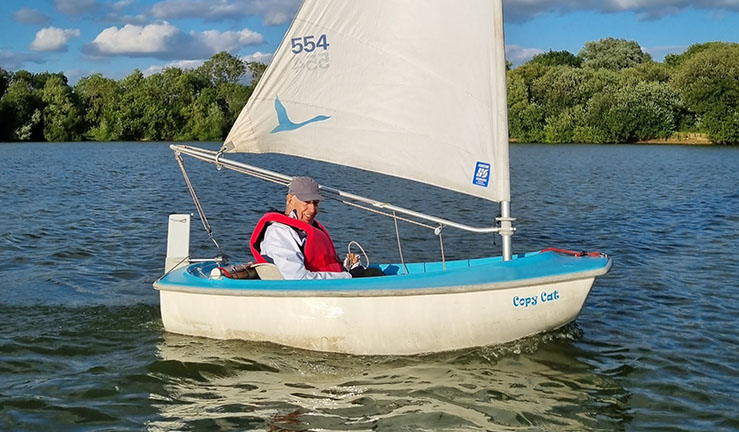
x=681 y=138
x=678 y=138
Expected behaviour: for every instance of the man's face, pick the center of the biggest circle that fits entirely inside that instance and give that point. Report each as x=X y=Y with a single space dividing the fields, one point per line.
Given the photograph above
x=306 y=211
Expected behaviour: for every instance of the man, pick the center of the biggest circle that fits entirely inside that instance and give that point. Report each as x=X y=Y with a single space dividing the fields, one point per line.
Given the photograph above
x=295 y=242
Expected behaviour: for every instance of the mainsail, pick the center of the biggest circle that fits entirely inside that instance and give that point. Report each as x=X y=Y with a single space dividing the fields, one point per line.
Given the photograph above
x=376 y=85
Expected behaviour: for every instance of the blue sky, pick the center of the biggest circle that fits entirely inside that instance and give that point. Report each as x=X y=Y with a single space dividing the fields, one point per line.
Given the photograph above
x=114 y=37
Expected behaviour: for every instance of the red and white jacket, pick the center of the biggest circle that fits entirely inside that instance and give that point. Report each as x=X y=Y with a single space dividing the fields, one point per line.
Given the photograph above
x=300 y=250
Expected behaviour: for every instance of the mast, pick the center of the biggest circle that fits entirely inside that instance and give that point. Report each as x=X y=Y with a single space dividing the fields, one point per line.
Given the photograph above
x=506 y=230
x=500 y=121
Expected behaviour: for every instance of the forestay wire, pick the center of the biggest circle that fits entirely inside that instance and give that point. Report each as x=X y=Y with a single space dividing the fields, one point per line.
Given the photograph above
x=198 y=206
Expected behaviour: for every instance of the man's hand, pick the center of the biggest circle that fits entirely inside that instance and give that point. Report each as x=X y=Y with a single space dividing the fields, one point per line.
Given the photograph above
x=351 y=261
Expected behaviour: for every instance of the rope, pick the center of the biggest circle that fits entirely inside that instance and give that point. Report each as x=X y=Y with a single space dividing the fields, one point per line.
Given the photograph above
x=437 y=231
x=400 y=249
x=173 y=268
x=393 y=215
x=573 y=253
x=198 y=206
x=257 y=175
x=349 y=250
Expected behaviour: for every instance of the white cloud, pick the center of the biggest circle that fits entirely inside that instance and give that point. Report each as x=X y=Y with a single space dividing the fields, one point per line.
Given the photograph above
x=134 y=40
x=53 y=39
x=122 y=4
x=74 y=75
x=277 y=17
x=182 y=64
x=275 y=12
x=75 y=7
x=228 y=40
x=165 y=41
x=517 y=54
x=258 y=56
x=523 y=10
x=658 y=52
x=169 y=9
x=13 y=61
x=194 y=64
x=31 y=16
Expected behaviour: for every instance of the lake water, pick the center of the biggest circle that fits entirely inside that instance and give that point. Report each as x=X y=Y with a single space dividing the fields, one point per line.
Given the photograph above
x=83 y=235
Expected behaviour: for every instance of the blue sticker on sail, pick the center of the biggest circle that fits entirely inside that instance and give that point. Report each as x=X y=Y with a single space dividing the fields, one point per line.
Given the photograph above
x=285 y=124
x=482 y=174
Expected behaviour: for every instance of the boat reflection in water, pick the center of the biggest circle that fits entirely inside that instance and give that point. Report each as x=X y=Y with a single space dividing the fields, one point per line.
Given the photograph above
x=247 y=385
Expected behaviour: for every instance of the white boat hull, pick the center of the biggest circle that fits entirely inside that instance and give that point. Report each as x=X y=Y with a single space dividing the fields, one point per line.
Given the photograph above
x=389 y=324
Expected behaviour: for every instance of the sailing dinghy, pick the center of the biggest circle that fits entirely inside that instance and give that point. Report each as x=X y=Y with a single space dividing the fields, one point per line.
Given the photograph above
x=412 y=89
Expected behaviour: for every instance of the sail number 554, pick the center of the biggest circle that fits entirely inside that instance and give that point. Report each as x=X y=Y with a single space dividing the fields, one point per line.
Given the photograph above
x=308 y=43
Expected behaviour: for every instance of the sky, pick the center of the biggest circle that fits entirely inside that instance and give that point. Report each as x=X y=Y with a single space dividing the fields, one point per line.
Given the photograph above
x=115 y=37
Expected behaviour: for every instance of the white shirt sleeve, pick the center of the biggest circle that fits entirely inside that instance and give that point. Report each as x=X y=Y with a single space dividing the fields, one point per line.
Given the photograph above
x=281 y=246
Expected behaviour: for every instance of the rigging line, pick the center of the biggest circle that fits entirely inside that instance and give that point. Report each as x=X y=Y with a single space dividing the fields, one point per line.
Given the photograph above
x=348 y=203
x=393 y=215
x=242 y=170
x=437 y=231
x=198 y=206
x=173 y=268
x=208 y=156
x=266 y=177
x=258 y=175
x=400 y=249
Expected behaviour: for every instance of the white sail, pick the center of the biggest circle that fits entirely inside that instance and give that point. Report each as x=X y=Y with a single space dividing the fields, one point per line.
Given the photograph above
x=391 y=86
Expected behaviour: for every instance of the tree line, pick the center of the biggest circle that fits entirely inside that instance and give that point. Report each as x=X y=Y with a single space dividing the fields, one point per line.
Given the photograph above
x=610 y=92
x=613 y=92
x=174 y=104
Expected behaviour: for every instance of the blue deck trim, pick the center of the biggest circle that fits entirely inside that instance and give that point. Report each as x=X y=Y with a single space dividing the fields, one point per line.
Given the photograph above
x=533 y=265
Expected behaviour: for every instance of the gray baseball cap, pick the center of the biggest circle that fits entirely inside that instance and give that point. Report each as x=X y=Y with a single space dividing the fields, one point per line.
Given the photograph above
x=305 y=188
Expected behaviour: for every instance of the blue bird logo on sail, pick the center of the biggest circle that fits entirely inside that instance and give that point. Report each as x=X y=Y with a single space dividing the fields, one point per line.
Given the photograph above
x=285 y=124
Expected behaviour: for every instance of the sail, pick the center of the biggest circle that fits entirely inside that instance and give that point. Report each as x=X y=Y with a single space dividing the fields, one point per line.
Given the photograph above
x=410 y=88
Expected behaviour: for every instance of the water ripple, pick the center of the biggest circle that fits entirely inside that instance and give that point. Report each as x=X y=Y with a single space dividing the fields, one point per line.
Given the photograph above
x=82 y=347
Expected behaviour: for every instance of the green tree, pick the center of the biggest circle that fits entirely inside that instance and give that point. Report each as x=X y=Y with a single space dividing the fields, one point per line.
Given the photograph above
x=558 y=98
x=648 y=71
x=709 y=84
x=132 y=106
x=21 y=107
x=206 y=120
x=613 y=54
x=562 y=87
x=566 y=126
x=557 y=58
x=24 y=75
x=6 y=111
x=5 y=78
x=38 y=81
x=256 y=70
x=233 y=97
x=223 y=67
x=99 y=98
x=675 y=60
x=61 y=117
x=525 y=116
x=628 y=113
x=167 y=96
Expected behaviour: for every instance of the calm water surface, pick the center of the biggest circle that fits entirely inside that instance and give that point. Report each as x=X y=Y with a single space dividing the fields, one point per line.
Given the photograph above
x=83 y=235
